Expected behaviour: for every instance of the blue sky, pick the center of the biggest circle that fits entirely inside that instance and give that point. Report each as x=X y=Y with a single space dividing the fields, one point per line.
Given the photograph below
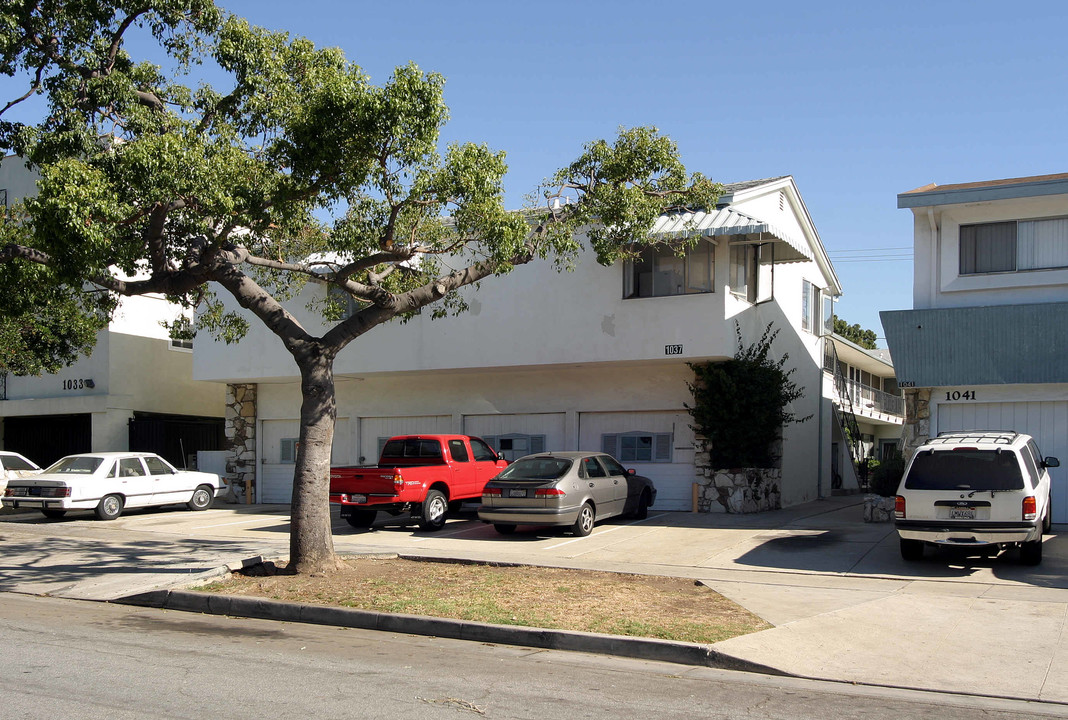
x=859 y=101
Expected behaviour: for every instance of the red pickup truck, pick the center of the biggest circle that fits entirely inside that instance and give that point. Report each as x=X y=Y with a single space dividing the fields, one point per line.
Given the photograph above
x=423 y=475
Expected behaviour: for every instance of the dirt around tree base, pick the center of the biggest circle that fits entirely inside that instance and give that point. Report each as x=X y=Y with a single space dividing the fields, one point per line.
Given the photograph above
x=560 y=599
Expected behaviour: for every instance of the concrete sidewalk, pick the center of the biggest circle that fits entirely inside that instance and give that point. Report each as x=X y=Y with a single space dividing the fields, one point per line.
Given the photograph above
x=844 y=605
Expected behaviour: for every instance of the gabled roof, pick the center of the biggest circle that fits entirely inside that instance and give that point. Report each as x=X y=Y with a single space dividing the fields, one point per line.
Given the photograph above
x=727 y=221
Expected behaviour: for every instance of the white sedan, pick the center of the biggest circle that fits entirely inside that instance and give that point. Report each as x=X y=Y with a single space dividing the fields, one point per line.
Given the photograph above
x=13 y=465
x=109 y=482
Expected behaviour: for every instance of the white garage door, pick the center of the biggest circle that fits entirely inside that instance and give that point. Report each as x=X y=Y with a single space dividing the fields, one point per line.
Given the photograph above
x=514 y=436
x=278 y=450
x=375 y=431
x=1046 y=422
x=658 y=445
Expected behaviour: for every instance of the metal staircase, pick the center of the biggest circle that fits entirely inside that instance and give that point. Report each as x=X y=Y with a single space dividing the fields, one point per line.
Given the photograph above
x=846 y=416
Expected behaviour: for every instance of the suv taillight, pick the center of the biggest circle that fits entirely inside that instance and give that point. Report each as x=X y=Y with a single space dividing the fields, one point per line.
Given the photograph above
x=899 y=507
x=1030 y=508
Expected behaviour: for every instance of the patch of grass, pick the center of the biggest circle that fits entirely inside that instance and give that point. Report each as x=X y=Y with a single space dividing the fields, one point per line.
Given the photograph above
x=602 y=602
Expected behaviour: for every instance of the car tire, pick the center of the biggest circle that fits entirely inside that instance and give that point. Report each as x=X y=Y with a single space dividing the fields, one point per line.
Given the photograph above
x=584 y=522
x=504 y=528
x=53 y=514
x=109 y=507
x=361 y=519
x=435 y=508
x=1031 y=552
x=202 y=498
x=642 y=511
x=911 y=550
x=1047 y=520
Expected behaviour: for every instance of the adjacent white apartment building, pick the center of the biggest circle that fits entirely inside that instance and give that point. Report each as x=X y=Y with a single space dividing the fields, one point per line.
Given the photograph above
x=135 y=391
x=984 y=346
x=591 y=359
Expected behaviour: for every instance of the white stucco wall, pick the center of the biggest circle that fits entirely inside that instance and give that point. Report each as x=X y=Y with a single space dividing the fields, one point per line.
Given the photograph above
x=937 y=282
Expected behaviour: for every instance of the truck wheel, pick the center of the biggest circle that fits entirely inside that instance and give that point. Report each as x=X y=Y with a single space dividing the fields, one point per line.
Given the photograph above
x=434 y=510
x=361 y=519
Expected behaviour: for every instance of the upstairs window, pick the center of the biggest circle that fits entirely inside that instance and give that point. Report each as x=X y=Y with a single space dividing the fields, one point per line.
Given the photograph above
x=1014 y=246
x=659 y=272
x=744 y=271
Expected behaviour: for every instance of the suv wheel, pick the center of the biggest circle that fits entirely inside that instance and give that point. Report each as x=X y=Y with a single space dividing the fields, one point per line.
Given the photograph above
x=911 y=549
x=1031 y=552
x=1047 y=521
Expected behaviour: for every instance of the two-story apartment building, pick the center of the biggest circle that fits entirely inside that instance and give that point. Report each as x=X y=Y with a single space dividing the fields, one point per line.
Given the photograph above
x=984 y=346
x=135 y=391
x=591 y=359
x=869 y=408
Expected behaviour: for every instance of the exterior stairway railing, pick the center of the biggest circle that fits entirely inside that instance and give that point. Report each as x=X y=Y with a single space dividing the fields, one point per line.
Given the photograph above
x=846 y=415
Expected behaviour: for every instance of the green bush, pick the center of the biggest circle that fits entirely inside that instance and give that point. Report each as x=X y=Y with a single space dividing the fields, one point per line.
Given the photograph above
x=740 y=405
x=886 y=476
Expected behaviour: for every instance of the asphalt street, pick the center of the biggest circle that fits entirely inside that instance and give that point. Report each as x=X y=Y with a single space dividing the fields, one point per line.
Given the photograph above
x=75 y=660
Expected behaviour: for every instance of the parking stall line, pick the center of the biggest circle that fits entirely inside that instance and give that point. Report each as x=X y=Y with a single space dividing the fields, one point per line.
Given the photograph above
x=618 y=527
x=450 y=534
x=237 y=522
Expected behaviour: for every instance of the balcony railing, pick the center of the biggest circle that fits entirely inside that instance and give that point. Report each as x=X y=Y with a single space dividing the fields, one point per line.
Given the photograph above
x=867 y=398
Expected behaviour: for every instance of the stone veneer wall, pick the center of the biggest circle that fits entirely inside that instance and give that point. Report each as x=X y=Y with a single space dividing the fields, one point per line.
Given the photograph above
x=737 y=490
x=917 y=427
x=241 y=441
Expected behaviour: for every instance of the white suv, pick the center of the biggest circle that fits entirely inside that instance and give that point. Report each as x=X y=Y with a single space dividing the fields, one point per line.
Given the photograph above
x=979 y=490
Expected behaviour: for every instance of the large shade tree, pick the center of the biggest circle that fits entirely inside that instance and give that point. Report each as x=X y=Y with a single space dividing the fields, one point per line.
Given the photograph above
x=299 y=169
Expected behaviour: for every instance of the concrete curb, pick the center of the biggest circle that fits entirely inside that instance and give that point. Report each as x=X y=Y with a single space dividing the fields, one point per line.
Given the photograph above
x=622 y=646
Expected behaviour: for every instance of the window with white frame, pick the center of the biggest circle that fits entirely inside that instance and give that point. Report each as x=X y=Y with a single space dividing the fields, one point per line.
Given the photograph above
x=515 y=445
x=744 y=270
x=638 y=446
x=287 y=451
x=1014 y=246
x=659 y=271
x=815 y=309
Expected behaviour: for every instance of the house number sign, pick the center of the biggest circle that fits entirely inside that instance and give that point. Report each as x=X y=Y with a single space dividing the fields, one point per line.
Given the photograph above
x=673 y=349
x=78 y=384
x=960 y=394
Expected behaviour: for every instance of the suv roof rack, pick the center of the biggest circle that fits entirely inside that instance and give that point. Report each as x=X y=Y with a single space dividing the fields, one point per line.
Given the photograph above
x=1001 y=437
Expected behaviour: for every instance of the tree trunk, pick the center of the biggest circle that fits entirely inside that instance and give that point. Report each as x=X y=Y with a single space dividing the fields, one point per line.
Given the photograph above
x=311 y=545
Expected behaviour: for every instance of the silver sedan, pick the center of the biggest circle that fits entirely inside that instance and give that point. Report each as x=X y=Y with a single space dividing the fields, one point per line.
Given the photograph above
x=573 y=489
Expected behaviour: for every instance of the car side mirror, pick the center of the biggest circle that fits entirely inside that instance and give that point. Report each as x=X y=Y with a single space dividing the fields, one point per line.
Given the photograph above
x=1051 y=462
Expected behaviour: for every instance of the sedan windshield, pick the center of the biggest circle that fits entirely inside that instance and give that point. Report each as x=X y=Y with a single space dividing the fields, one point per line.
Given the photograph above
x=76 y=465
x=538 y=468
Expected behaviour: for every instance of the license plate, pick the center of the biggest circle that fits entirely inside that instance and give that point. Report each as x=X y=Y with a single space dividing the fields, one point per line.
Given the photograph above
x=517 y=493
x=360 y=499
x=962 y=513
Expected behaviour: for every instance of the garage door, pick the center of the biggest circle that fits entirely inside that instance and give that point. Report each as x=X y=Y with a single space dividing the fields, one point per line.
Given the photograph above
x=278 y=449
x=514 y=436
x=1046 y=422
x=375 y=431
x=658 y=445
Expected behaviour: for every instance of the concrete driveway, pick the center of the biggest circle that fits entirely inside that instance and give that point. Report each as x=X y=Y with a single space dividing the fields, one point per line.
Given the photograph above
x=845 y=606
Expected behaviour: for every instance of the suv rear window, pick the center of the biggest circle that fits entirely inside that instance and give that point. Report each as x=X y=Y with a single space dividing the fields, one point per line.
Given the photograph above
x=965 y=470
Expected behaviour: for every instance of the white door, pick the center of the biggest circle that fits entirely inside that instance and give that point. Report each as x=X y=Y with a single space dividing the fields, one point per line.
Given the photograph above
x=1045 y=421
x=279 y=453
x=658 y=445
x=375 y=431
x=514 y=436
